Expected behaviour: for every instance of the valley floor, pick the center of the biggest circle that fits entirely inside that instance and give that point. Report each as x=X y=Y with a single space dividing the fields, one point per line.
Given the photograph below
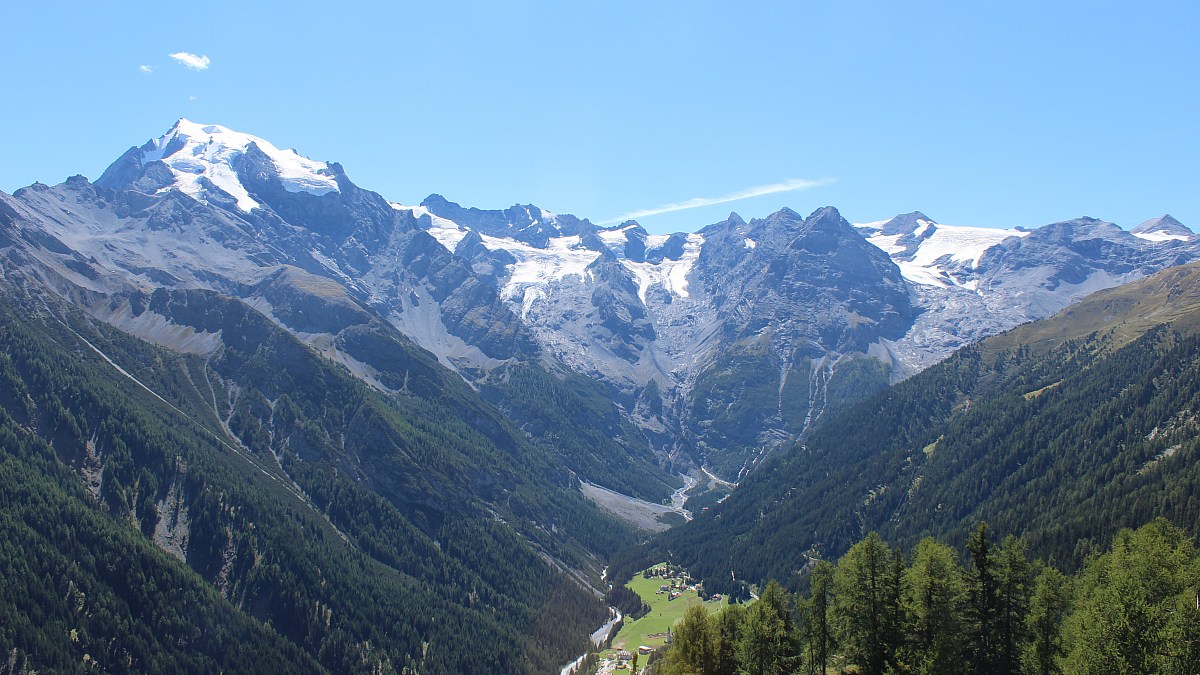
x=640 y=513
x=649 y=632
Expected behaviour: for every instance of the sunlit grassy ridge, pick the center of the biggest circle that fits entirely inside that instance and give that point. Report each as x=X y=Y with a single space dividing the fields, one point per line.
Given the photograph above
x=1125 y=312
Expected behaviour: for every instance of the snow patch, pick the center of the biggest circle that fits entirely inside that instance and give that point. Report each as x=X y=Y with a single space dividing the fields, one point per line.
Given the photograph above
x=670 y=274
x=446 y=231
x=615 y=238
x=1160 y=236
x=873 y=226
x=537 y=267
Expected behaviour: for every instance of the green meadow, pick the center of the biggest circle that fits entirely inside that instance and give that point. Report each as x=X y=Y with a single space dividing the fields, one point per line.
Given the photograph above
x=663 y=614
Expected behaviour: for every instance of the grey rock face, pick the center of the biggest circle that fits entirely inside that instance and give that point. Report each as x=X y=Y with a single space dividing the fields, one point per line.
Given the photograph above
x=792 y=298
x=905 y=223
x=1060 y=263
x=814 y=283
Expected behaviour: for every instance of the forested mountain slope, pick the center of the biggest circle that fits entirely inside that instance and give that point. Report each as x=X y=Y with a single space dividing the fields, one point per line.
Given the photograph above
x=1062 y=431
x=327 y=526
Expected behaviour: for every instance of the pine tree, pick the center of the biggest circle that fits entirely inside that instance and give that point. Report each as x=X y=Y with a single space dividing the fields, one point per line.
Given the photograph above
x=694 y=647
x=766 y=642
x=728 y=635
x=1182 y=632
x=1131 y=606
x=1012 y=604
x=817 y=632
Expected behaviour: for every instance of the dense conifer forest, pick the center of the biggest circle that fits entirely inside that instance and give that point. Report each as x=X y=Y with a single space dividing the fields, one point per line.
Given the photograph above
x=275 y=560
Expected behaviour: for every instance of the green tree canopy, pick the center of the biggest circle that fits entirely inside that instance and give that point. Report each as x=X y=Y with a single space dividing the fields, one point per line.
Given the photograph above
x=1136 y=606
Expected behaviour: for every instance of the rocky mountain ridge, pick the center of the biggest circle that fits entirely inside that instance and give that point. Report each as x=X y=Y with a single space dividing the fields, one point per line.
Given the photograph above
x=715 y=346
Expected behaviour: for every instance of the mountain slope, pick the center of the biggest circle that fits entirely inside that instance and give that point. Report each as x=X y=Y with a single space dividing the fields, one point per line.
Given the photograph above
x=746 y=336
x=82 y=590
x=1063 y=430
x=305 y=507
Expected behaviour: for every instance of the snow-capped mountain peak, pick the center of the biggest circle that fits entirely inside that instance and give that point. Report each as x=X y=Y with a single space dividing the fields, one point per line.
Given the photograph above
x=196 y=153
x=934 y=254
x=1163 y=228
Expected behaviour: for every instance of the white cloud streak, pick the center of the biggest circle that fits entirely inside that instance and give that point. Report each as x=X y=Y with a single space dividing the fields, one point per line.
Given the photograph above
x=192 y=61
x=697 y=202
x=146 y=69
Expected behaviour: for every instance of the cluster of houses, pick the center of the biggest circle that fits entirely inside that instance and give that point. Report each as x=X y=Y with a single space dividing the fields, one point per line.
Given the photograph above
x=676 y=577
x=625 y=656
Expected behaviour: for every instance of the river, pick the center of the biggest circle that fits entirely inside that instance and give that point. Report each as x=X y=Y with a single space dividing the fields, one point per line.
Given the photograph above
x=679 y=497
x=599 y=637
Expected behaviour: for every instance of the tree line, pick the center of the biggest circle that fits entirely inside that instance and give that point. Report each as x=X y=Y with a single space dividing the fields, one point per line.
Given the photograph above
x=989 y=609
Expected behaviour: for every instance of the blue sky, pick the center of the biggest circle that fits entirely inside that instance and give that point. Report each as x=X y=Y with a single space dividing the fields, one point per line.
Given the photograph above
x=995 y=114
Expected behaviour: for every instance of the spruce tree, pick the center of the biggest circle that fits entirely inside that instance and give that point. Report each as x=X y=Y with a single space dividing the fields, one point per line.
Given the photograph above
x=981 y=610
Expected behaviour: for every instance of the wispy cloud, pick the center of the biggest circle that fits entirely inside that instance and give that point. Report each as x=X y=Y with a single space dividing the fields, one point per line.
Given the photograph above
x=697 y=202
x=145 y=69
x=193 y=61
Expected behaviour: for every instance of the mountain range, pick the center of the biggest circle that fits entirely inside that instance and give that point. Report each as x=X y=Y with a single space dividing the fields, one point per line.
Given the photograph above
x=709 y=348
x=289 y=397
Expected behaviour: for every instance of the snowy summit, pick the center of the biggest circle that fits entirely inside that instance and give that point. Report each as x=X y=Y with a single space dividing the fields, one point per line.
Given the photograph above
x=194 y=152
